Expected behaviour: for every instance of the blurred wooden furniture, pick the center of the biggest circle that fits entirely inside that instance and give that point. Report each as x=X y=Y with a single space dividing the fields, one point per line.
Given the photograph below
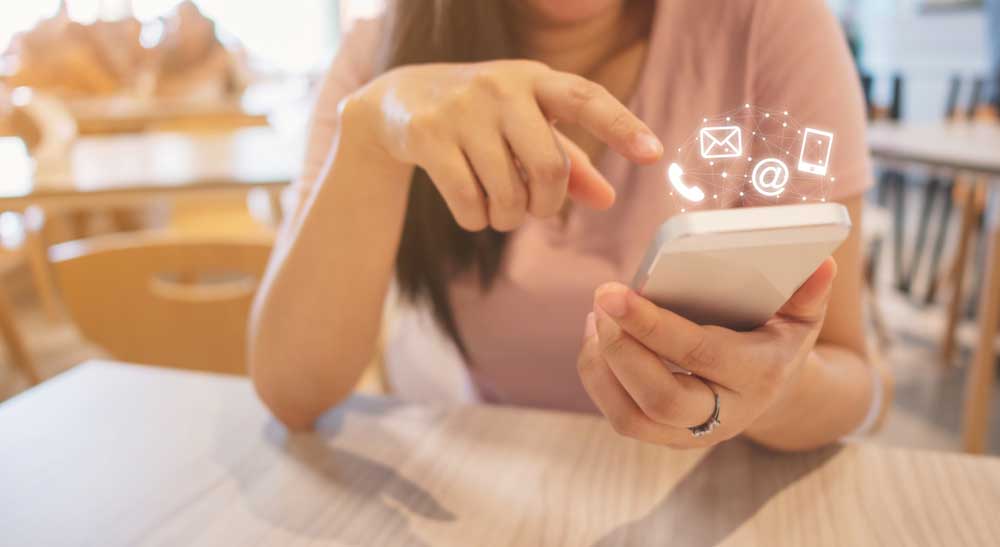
x=972 y=150
x=129 y=169
x=161 y=299
x=10 y=333
x=123 y=114
x=112 y=454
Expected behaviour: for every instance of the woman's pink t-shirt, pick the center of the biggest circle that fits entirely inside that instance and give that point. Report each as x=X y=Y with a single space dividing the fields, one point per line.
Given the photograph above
x=705 y=57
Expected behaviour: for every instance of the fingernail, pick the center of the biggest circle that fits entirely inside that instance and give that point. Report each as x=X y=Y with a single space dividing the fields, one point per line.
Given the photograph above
x=612 y=301
x=647 y=145
x=591 y=328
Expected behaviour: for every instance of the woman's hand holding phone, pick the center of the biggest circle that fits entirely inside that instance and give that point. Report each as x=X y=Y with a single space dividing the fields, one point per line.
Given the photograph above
x=628 y=338
x=484 y=133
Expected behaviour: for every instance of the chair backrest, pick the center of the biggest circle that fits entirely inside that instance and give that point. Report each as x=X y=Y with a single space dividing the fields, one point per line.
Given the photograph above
x=975 y=98
x=951 y=103
x=44 y=122
x=896 y=103
x=163 y=299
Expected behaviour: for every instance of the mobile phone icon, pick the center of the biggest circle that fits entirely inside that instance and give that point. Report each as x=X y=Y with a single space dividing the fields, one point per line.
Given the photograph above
x=690 y=193
x=816 y=148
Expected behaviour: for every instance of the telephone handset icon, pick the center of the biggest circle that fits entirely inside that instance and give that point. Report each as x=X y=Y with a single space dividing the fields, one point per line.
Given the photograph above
x=690 y=193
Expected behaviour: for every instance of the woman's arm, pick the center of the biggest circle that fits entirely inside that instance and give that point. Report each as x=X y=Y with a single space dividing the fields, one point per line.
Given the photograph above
x=317 y=316
x=834 y=388
x=483 y=133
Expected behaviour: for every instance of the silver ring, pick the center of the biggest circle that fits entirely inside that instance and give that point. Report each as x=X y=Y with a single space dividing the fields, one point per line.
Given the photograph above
x=713 y=421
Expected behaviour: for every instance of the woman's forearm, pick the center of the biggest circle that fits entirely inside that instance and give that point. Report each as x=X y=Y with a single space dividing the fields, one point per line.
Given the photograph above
x=828 y=400
x=317 y=316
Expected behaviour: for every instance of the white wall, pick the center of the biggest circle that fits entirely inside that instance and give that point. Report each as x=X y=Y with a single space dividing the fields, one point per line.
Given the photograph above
x=927 y=48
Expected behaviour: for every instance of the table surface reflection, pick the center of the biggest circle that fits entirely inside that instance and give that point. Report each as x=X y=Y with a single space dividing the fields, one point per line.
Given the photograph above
x=149 y=162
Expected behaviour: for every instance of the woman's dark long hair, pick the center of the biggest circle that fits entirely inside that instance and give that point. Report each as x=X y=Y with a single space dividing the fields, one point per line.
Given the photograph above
x=434 y=248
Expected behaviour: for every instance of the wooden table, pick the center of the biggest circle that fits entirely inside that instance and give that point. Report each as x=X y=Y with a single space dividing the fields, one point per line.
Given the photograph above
x=112 y=454
x=102 y=170
x=972 y=149
x=123 y=114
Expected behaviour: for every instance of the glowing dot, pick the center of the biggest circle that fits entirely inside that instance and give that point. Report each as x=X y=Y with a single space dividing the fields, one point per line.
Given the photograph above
x=767 y=115
x=725 y=175
x=803 y=198
x=705 y=120
x=749 y=159
x=728 y=119
x=833 y=179
x=784 y=124
x=711 y=164
x=823 y=200
x=754 y=132
x=741 y=194
x=747 y=105
x=678 y=149
x=683 y=210
x=786 y=112
x=800 y=132
x=765 y=138
x=715 y=196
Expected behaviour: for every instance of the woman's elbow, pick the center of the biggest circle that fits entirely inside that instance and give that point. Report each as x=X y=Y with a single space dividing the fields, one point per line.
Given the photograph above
x=276 y=399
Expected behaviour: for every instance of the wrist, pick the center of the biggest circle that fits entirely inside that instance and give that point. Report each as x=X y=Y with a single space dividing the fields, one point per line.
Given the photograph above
x=358 y=149
x=776 y=417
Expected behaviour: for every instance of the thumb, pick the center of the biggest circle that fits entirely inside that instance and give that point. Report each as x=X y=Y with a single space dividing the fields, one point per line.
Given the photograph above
x=808 y=304
x=586 y=184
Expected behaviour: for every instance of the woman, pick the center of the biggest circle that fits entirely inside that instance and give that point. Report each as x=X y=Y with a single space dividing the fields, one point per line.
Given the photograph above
x=433 y=164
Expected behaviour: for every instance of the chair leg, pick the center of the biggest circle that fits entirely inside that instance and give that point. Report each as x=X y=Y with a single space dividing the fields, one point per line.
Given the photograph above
x=38 y=261
x=980 y=379
x=899 y=229
x=15 y=342
x=934 y=279
x=930 y=196
x=969 y=214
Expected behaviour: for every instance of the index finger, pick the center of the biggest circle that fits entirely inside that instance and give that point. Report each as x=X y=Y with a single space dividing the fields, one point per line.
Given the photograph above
x=574 y=99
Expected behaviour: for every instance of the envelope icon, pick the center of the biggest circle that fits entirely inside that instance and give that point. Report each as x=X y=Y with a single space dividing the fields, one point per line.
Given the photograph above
x=721 y=142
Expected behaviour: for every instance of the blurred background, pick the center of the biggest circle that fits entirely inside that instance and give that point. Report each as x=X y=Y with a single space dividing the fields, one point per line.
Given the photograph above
x=146 y=145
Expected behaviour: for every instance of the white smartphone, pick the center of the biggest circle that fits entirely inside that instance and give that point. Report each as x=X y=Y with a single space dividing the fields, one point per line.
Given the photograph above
x=735 y=268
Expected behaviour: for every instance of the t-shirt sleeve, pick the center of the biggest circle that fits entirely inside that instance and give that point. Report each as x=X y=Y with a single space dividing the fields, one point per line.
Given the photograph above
x=800 y=62
x=352 y=68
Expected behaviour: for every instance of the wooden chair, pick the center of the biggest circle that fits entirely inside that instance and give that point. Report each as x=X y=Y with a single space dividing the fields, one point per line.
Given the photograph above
x=970 y=193
x=163 y=299
x=10 y=334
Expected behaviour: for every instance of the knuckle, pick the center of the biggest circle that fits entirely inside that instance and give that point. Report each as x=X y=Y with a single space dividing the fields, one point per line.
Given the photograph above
x=507 y=222
x=702 y=355
x=468 y=193
x=586 y=364
x=471 y=222
x=615 y=345
x=554 y=170
x=771 y=375
x=493 y=83
x=622 y=124
x=514 y=197
x=625 y=424
x=529 y=65
x=582 y=92
x=647 y=326
x=424 y=126
x=662 y=409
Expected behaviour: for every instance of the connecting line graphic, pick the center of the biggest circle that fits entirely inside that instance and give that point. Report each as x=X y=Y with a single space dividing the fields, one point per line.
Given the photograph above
x=751 y=156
